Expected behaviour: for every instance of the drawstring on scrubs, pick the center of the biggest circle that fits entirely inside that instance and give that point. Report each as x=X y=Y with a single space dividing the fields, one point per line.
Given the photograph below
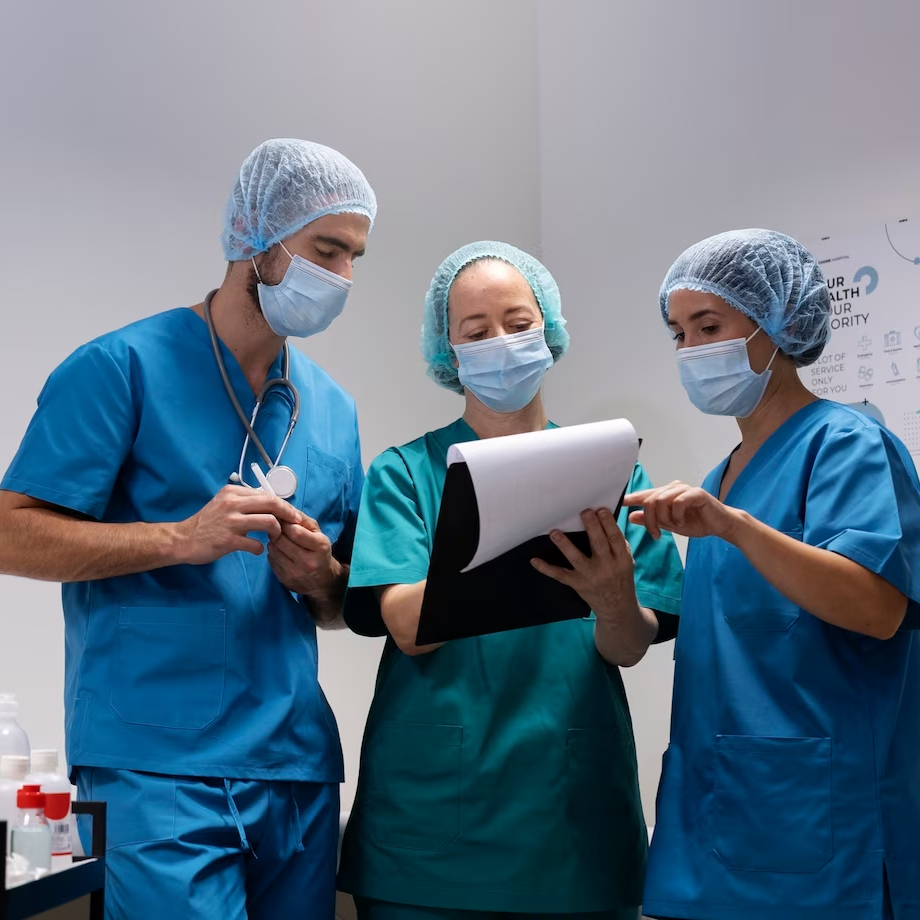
x=295 y=818
x=235 y=812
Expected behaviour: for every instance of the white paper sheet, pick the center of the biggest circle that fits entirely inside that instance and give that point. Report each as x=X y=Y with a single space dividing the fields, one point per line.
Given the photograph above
x=529 y=484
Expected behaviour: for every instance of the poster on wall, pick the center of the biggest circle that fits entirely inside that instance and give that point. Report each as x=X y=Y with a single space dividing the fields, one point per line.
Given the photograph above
x=872 y=361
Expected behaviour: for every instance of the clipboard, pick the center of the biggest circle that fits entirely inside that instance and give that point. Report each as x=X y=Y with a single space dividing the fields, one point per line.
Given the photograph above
x=505 y=591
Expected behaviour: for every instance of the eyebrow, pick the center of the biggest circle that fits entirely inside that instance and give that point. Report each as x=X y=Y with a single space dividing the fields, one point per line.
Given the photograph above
x=695 y=316
x=338 y=244
x=467 y=319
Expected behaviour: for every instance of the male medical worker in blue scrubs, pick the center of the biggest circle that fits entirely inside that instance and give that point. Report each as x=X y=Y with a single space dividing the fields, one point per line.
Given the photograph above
x=190 y=604
x=791 y=787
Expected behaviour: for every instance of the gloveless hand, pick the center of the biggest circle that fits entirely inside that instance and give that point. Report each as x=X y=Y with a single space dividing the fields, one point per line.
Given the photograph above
x=606 y=579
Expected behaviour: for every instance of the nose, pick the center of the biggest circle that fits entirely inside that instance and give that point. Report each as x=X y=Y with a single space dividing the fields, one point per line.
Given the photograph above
x=343 y=266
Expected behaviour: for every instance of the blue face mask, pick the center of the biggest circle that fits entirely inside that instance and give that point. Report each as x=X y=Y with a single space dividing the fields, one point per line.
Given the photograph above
x=719 y=380
x=505 y=372
x=305 y=302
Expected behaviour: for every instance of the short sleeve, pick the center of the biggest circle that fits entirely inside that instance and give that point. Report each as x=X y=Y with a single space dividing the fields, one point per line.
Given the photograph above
x=659 y=571
x=391 y=542
x=863 y=502
x=79 y=436
x=344 y=546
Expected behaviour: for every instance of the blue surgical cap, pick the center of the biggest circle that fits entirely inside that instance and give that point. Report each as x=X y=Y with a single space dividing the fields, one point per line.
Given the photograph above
x=766 y=275
x=286 y=184
x=436 y=348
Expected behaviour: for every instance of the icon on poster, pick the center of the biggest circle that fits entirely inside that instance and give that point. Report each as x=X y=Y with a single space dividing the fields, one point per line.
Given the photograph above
x=865 y=373
x=892 y=339
x=894 y=370
x=917 y=331
x=865 y=343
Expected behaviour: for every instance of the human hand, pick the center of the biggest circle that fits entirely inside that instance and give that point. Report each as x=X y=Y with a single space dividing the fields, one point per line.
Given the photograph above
x=682 y=509
x=606 y=579
x=222 y=525
x=301 y=556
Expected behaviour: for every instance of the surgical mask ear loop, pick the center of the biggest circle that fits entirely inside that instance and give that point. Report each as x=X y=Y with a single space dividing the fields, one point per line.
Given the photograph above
x=256 y=267
x=773 y=357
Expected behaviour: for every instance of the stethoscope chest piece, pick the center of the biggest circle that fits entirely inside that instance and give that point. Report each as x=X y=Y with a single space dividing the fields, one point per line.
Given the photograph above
x=283 y=481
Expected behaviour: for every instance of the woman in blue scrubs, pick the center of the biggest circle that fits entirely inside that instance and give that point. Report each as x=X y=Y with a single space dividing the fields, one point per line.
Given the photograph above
x=791 y=786
x=498 y=774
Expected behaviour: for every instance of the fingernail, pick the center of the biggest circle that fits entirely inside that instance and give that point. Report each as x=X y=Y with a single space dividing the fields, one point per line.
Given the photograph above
x=555 y=536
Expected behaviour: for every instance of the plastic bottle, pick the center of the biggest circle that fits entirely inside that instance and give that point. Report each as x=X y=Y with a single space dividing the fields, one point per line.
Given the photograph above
x=13 y=770
x=58 y=793
x=13 y=740
x=31 y=836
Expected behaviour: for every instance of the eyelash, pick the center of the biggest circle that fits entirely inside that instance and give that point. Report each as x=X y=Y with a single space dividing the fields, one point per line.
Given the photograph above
x=707 y=330
x=519 y=327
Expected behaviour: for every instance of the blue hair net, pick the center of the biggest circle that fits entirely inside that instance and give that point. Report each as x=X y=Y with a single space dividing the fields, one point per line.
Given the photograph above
x=284 y=185
x=436 y=348
x=766 y=275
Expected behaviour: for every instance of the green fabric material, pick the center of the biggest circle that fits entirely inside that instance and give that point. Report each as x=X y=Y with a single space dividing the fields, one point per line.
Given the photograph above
x=497 y=773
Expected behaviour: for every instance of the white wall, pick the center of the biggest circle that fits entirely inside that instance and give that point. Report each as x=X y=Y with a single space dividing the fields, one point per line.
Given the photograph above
x=618 y=132
x=121 y=142
x=662 y=122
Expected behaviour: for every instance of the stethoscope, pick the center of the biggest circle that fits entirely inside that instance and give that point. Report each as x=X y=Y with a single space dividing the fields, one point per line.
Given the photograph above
x=280 y=480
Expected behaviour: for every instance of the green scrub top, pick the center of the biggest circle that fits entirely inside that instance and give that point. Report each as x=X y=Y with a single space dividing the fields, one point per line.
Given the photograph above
x=497 y=773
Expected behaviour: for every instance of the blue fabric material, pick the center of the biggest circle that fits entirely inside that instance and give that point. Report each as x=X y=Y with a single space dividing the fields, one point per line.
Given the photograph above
x=174 y=846
x=285 y=184
x=769 y=277
x=791 y=787
x=192 y=670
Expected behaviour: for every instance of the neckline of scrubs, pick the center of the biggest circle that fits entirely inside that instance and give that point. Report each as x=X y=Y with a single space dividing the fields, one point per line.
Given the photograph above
x=766 y=452
x=475 y=437
x=238 y=379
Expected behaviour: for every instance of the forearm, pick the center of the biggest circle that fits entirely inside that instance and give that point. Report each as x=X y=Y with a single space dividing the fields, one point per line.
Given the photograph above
x=326 y=609
x=829 y=586
x=50 y=546
x=401 y=609
x=623 y=637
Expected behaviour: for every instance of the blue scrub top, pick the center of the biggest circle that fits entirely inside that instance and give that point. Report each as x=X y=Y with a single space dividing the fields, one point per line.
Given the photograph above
x=791 y=786
x=189 y=670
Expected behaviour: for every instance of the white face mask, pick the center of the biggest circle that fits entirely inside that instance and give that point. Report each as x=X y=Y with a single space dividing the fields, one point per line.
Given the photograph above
x=718 y=377
x=505 y=372
x=306 y=301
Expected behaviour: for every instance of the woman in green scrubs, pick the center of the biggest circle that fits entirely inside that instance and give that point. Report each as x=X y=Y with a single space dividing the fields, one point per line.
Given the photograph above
x=498 y=774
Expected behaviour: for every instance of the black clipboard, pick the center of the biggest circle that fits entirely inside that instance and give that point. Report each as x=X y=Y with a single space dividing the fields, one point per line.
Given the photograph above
x=502 y=594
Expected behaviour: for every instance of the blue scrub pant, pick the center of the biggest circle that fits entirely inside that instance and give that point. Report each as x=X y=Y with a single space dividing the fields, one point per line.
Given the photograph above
x=382 y=910
x=196 y=849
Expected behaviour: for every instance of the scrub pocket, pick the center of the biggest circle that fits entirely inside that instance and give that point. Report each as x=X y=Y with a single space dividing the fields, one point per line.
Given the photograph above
x=141 y=807
x=772 y=803
x=750 y=603
x=412 y=796
x=169 y=666
x=325 y=485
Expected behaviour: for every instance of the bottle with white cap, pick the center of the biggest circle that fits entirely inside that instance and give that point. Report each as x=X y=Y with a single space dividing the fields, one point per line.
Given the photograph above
x=13 y=770
x=13 y=740
x=57 y=792
x=31 y=836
